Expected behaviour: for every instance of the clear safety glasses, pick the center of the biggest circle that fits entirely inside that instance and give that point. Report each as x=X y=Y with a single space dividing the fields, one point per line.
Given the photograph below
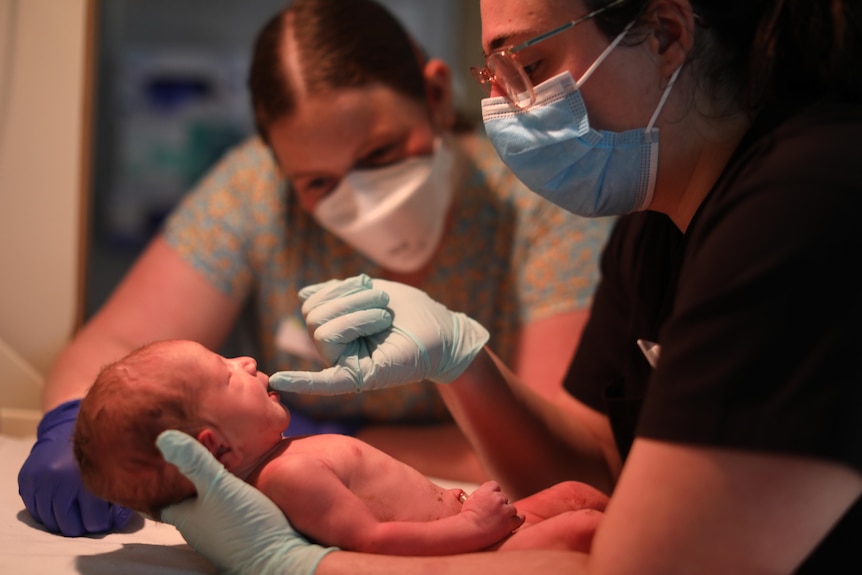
x=503 y=70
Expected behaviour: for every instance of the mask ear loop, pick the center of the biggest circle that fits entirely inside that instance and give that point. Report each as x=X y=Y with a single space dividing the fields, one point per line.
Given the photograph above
x=589 y=72
x=653 y=157
x=663 y=99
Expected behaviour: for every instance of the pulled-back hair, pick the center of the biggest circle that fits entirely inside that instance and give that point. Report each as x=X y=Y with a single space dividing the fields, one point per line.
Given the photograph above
x=339 y=44
x=759 y=52
x=120 y=418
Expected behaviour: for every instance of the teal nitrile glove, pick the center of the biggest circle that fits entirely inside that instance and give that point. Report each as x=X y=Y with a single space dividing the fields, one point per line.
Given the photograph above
x=339 y=312
x=426 y=341
x=232 y=524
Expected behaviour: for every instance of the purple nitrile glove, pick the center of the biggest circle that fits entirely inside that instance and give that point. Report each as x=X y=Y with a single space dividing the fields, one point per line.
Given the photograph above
x=50 y=483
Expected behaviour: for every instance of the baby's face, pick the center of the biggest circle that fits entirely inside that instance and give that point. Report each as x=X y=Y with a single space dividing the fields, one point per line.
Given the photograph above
x=237 y=399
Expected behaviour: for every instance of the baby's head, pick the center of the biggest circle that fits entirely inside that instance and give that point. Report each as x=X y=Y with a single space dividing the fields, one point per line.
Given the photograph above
x=224 y=403
x=133 y=400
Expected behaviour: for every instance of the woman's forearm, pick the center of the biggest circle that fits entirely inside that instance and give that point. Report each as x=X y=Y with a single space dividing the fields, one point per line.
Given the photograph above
x=498 y=563
x=526 y=442
x=77 y=366
x=451 y=535
x=162 y=297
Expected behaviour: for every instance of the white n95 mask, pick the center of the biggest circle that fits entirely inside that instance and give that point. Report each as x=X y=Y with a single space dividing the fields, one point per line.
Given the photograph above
x=395 y=215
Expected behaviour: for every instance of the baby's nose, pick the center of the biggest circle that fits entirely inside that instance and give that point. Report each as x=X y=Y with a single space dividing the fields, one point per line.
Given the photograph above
x=249 y=364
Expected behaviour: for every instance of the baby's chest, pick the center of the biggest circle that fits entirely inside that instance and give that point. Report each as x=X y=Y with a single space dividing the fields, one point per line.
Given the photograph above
x=404 y=498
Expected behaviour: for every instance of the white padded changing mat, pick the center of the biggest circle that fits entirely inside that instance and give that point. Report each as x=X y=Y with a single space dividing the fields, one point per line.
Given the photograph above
x=145 y=548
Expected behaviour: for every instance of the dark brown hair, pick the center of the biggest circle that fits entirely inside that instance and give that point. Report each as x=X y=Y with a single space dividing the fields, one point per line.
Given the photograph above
x=761 y=52
x=339 y=44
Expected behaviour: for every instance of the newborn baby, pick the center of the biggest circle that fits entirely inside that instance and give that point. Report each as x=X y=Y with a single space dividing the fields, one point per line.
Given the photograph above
x=335 y=489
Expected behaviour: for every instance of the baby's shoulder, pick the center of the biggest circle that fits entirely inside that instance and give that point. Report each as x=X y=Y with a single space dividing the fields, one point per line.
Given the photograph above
x=289 y=470
x=325 y=443
x=317 y=451
x=309 y=463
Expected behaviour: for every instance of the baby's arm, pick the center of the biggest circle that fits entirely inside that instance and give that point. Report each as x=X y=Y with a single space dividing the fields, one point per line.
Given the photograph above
x=320 y=505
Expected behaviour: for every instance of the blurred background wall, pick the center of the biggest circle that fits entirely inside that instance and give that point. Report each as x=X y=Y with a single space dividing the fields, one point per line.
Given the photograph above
x=45 y=55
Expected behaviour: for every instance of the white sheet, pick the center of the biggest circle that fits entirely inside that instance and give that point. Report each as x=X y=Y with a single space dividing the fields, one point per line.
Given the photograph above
x=145 y=548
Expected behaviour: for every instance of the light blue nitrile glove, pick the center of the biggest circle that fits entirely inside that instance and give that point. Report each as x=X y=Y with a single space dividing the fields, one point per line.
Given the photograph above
x=339 y=312
x=50 y=485
x=232 y=524
x=425 y=341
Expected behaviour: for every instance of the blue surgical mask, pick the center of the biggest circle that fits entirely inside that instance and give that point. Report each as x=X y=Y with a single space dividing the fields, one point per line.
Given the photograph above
x=552 y=149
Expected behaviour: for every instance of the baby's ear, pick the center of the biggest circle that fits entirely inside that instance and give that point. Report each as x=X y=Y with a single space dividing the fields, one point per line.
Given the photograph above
x=217 y=445
x=220 y=447
x=209 y=438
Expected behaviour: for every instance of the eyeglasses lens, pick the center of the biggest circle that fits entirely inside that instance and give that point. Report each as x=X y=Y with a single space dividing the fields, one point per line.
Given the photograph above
x=510 y=77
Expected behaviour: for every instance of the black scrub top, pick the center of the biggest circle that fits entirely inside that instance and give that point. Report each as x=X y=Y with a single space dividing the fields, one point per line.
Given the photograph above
x=757 y=310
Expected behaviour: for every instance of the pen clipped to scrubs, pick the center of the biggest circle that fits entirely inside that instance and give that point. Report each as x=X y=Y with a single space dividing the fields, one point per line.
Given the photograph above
x=651 y=351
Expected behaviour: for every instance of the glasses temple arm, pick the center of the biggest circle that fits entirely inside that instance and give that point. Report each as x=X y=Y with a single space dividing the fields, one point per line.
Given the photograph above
x=562 y=28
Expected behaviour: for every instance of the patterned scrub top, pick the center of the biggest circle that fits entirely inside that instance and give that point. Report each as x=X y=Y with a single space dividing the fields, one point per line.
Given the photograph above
x=508 y=257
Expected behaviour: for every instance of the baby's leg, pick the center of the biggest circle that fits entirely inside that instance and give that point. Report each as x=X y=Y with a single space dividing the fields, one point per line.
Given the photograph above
x=570 y=530
x=560 y=498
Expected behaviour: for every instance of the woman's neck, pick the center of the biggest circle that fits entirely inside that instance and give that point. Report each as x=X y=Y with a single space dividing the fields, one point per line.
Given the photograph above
x=690 y=170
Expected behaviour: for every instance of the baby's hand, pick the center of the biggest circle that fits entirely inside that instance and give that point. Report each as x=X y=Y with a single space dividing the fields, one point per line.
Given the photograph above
x=489 y=509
